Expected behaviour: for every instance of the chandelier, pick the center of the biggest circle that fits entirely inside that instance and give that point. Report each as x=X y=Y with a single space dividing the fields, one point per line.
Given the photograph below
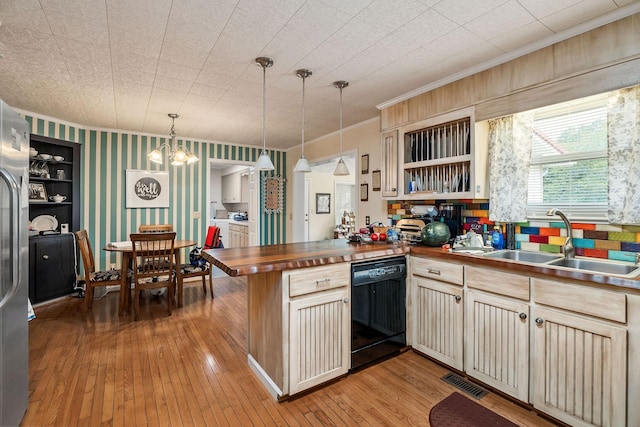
x=178 y=154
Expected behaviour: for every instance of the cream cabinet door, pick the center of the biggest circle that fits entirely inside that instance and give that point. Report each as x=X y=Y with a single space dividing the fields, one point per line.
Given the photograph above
x=319 y=338
x=438 y=320
x=580 y=374
x=497 y=342
x=389 y=172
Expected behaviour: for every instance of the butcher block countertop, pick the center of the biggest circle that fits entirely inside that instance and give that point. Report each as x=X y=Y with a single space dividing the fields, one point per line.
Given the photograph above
x=264 y=259
x=271 y=258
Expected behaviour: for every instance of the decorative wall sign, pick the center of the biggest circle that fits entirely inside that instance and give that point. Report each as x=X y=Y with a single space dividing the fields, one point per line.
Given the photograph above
x=364 y=192
x=147 y=189
x=323 y=203
x=375 y=176
x=273 y=194
x=364 y=160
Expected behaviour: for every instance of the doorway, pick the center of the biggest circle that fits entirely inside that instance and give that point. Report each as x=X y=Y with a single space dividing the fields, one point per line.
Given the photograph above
x=308 y=223
x=217 y=207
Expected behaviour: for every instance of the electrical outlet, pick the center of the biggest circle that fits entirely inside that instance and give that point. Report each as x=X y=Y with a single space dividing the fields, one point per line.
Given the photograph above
x=196 y=215
x=367 y=220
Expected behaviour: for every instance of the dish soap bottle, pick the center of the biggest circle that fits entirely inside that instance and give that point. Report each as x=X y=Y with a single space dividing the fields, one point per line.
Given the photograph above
x=497 y=240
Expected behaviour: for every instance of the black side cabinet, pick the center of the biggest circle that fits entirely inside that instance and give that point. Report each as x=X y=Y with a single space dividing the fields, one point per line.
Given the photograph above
x=51 y=266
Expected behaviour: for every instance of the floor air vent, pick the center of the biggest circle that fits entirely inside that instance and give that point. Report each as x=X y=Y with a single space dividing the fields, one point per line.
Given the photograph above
x=468 y=387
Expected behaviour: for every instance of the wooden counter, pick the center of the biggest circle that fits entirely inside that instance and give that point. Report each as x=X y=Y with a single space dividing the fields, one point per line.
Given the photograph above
x=273 y=258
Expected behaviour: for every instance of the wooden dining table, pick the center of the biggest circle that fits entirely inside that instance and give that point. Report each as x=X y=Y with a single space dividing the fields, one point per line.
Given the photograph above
x=127 y=253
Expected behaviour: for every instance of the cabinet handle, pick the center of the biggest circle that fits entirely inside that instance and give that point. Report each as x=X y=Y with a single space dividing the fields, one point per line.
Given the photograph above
x=346 y=300
x=323 y=281
x=433 y=271
x=522 y=316
x=458 y=298
x=539 y=321
x=393 y=189
x=45 y=256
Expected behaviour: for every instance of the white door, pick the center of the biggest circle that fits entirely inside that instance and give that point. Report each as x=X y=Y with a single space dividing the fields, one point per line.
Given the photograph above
x=254 y=208
x=307 y=190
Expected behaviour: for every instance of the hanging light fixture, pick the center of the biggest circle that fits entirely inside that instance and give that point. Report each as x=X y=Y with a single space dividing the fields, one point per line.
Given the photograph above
x=264 y=162
x=303 y=164
x=341 y=167
x=178 y=155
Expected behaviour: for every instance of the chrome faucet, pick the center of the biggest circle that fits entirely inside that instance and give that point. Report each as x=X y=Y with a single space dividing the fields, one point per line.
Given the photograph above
x=568 y=249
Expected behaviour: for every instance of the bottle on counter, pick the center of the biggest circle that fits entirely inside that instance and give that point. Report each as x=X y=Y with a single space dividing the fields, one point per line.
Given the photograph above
x=497 y=239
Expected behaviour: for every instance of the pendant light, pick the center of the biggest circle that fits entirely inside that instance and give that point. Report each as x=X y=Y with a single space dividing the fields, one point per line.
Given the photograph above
x=303 y=164
x=178 y=155
x=264 y=162
x=341 y=167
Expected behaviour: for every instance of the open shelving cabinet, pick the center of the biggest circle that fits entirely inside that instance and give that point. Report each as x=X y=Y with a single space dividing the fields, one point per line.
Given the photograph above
x=443 y=157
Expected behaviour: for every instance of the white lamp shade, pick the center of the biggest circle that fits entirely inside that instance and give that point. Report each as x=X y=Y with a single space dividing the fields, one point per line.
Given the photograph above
x=155 y=156
x=264 y=162
x=192 y=158
x=302 y=166
x=341 y=168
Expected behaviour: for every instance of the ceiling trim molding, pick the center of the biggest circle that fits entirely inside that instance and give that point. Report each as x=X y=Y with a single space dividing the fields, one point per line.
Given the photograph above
x=613 y=16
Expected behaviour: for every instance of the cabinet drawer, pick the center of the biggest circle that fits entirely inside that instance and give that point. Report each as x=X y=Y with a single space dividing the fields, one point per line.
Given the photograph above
x=498 y=282
x=437 y=270
x=581 y=299
x=315 y=279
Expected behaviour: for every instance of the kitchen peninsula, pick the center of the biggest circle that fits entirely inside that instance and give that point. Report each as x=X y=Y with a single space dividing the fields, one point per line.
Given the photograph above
x=292 y=280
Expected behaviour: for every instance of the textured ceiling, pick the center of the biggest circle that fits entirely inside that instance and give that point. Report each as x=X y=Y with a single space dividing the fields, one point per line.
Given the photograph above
x=125 y=64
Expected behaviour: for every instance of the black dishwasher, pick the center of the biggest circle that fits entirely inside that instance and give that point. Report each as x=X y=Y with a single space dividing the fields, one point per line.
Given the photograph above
x=378 y=310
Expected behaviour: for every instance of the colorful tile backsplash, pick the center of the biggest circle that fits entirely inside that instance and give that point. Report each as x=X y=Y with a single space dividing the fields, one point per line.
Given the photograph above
x=608 y=241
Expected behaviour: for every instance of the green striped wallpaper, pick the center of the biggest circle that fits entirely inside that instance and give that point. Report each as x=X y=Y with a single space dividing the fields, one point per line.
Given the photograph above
x=106 y=155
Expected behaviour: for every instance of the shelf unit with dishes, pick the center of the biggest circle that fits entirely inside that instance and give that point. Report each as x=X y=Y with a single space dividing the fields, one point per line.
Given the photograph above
x=54 y=171
x=443 y=157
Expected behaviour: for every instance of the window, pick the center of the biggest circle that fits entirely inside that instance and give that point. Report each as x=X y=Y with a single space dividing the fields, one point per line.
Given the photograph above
x=569 y=159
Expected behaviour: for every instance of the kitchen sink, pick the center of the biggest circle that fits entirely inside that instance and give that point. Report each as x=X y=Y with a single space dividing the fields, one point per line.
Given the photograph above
x=597 y=266
x=523 y=256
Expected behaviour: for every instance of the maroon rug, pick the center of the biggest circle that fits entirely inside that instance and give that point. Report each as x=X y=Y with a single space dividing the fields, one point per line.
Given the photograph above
x=458 y=411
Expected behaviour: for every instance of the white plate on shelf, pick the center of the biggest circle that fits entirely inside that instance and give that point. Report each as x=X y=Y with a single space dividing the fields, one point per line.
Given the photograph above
x=44 y=223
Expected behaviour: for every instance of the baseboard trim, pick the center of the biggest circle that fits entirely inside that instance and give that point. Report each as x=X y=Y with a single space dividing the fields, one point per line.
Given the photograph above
x=271 y=387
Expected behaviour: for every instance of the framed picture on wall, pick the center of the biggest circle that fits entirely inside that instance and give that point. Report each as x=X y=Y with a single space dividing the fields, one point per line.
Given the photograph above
x=323 y=203
x=375 y=176
x=364 y=163
x=147 y=189
x=364 y=192
x=37 y=192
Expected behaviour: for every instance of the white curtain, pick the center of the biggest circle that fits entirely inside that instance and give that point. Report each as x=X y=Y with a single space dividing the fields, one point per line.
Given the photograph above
x=509 y=160
x=623 y=118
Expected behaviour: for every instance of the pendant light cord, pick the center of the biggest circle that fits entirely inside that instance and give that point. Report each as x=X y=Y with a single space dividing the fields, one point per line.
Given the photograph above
x=340 y=122
x=303 y=80
x=264 y=108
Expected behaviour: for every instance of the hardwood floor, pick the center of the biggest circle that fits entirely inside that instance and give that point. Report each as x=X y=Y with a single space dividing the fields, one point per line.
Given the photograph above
x=191 y=369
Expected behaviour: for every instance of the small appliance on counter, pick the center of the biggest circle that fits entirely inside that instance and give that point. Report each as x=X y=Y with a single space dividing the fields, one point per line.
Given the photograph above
x=240 y=216
x=451 y=215
x=409 y=230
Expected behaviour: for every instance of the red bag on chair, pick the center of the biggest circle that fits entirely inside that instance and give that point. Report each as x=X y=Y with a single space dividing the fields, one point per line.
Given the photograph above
x=213 y=238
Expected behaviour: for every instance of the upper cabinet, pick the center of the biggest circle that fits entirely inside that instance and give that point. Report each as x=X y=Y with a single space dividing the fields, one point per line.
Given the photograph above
x=235 y=187
x=389 y=170
x=54 y=181
x=441 y=157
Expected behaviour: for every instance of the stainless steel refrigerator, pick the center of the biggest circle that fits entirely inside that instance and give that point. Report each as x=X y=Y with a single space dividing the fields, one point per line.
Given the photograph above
x=14 y=262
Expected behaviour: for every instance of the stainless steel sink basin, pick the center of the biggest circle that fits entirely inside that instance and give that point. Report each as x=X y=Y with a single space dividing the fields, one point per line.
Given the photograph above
x=523 y=256
x=597 y=266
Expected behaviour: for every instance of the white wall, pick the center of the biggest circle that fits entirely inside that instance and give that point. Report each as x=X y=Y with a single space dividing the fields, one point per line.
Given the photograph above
x=364 y=138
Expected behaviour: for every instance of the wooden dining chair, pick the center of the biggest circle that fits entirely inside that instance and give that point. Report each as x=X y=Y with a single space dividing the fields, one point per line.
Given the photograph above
x=155 y=228
x=187 y=269
x=93 y=278
x=153 y=266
